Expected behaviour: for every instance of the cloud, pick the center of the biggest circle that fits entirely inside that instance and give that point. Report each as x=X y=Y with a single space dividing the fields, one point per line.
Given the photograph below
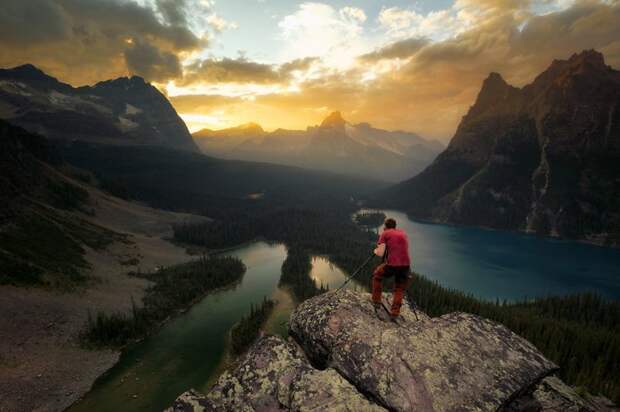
x=397 y=69
x=398 y=50
x=87 y=41
x=229 y=70
x=219 y=24
x=146 y=60
x=437 y=25
x=318 y=29
x=436 y=81
x=302 y=64
x=241 y=70
x=353 y=13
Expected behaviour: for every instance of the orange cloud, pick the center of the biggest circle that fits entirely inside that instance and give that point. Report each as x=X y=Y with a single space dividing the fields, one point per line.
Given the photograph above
x=431 y=84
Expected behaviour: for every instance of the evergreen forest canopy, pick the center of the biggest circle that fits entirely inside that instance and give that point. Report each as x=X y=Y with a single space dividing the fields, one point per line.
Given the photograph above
x=579 y=332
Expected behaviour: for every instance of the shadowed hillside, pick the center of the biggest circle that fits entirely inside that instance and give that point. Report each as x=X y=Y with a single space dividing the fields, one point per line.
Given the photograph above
x=542 y=159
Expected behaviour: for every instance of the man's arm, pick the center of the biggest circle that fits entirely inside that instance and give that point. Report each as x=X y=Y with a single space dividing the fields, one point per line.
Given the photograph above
x=380 y=250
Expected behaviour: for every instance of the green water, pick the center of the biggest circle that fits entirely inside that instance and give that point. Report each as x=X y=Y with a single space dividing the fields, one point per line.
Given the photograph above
x=189 y=351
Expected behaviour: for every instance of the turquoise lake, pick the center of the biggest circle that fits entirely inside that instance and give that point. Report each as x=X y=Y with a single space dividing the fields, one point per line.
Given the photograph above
x=493 y=264
x=190 y=350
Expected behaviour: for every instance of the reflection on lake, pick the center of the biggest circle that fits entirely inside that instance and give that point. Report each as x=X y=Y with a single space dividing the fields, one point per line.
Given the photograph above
x=189 y=351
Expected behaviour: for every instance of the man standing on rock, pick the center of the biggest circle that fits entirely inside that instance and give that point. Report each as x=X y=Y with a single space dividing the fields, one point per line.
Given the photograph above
x=393 y=247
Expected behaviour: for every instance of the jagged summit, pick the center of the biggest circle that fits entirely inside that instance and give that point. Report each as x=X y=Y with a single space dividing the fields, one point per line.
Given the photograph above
x=591 y=58
x=494 y=90
x=29 y=73
x=123 y=82
x=345 y=358
x=126 y=110
x=334 y=120
x=539 y=159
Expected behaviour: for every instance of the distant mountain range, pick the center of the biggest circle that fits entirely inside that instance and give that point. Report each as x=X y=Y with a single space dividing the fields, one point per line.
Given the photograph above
x=335 y=145
x=126 y=111
x=542 y=159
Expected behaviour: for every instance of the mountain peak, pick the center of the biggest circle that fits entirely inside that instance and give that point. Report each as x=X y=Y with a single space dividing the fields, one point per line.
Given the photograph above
x=29 y=72
x=494 y=89
x=30 y=69
x=251 y=126
x=587 y=60
x=333 y=120
x=588 y=57
x=494 y=81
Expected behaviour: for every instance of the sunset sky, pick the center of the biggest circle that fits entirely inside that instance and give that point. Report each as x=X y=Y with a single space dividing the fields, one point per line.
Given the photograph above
x=412 y=65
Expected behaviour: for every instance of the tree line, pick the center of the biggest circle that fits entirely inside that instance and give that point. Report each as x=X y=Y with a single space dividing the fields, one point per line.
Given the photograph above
x=174 y=288
x=578 y=332
x=245 y=332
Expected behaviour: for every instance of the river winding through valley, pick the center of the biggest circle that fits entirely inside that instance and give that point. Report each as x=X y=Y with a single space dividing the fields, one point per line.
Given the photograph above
x=190 y=350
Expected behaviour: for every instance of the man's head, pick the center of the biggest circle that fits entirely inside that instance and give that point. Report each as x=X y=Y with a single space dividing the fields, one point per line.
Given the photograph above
x=389 y=223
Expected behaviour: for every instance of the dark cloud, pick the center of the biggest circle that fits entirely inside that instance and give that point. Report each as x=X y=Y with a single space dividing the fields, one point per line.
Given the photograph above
x=230 y=71
x=242 y=70
x=154 y=64
x=26 y=22
x=397 y=50
x=433 y=89
x=86 y=41
x=297 y=64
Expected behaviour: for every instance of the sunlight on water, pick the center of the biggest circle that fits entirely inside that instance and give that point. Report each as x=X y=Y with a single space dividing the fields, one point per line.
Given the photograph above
x=190 y=351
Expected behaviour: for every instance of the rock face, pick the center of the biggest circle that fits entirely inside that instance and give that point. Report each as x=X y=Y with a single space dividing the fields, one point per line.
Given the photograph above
x=335 y=145
x=125 y=111
x=344 y=357
x=543 y=159
x=274 y=376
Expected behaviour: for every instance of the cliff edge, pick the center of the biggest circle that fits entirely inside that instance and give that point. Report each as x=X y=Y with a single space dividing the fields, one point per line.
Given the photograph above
x=343 y=357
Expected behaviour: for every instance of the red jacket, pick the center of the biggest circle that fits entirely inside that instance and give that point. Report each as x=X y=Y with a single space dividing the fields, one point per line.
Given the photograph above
x=397 y=245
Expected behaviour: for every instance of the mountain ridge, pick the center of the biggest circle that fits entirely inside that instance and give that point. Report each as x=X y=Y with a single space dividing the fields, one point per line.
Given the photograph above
x=539 y=159
x=126 y=110
x=334 y=145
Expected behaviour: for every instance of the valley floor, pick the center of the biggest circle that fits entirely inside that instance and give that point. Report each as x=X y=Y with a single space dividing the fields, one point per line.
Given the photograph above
x=42 y=365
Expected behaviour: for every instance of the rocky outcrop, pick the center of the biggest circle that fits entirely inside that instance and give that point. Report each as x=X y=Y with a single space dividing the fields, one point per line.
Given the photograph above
x=127 y=111
x=275 y=376
x=343 y=356
x=542 y=159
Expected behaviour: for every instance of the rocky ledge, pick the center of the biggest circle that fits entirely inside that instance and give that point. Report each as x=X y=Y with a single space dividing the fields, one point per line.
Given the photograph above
x=342 y=356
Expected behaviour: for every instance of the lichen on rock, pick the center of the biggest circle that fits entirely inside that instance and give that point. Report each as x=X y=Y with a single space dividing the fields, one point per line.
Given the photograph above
x=344 y=357
x=275 y=376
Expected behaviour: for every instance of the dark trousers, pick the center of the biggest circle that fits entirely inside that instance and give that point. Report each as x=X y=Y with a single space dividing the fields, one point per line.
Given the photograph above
x=401 y=274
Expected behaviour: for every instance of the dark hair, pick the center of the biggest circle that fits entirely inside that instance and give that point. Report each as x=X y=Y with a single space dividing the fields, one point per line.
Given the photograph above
x=390 y=223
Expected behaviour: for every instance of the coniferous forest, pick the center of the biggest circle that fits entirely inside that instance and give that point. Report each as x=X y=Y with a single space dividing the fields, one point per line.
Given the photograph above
x=173 y=289
x=245 y=332
x=580 y=333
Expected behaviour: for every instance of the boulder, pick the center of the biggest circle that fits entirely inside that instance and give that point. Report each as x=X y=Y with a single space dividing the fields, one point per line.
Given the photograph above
x=275 y=376
x=453 y=362
x=345 y=355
